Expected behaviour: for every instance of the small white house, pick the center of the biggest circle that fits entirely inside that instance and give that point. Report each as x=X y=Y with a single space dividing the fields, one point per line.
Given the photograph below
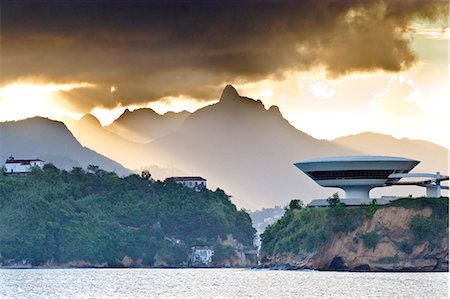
x=20 y=167
x=202 y=255
x=195 y=182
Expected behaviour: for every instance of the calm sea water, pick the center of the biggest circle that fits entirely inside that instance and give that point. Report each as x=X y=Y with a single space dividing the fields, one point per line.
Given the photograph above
x=217 y=283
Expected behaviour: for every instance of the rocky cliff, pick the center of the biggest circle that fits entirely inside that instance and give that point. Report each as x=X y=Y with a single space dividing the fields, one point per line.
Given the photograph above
x=230 y=253
x=408 y=235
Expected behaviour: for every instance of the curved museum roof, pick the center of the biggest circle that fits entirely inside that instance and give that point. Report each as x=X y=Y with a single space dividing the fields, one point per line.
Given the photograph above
x=357 y=159
x=356 y=174
x=367 y=163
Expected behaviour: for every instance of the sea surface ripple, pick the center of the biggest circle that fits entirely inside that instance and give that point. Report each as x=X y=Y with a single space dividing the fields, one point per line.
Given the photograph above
x=217 y=283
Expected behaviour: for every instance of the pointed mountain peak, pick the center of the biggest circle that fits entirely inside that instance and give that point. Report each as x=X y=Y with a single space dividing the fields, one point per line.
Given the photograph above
x=90 y=119
x=124 y=114
x=228 y=93
x=274 y=110
x=232 y=100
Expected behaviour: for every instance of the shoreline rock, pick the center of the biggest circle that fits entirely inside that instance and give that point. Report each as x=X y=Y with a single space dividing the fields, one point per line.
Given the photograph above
x=348 y=251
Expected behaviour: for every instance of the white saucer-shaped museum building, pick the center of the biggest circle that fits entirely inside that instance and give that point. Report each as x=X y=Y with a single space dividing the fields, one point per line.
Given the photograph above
x=356 y=175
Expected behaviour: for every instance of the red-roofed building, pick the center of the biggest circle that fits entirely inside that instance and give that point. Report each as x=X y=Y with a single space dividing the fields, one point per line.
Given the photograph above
x=195 y=182
x=20 y=167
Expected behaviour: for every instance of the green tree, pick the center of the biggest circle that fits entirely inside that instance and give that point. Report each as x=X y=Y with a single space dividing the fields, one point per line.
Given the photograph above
x=146 y=174
x=92 y=168
x=295 y=204
x=334 y=200
x=373 y=207
x=370 y=239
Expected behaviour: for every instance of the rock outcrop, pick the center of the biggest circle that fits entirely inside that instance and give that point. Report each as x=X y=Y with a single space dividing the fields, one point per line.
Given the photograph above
x=393 y=250
x=239 y=258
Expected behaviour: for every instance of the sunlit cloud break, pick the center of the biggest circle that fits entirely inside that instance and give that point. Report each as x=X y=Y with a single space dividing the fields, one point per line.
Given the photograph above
x=413 y=95
x=177 y=104
x=23 y=99
x=318 y=89
x=431 y=32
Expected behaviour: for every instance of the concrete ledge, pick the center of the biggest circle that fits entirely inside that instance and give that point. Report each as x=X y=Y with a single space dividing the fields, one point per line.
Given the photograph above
x=315 y=203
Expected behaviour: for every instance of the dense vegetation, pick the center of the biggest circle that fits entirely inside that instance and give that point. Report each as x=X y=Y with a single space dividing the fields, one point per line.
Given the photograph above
x=306 y=229
x=425 y=229
x=98 y=217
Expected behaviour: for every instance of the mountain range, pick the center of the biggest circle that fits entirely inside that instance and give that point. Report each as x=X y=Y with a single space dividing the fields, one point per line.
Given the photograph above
x=240 y=146
x=144 y=125
x=52 y=142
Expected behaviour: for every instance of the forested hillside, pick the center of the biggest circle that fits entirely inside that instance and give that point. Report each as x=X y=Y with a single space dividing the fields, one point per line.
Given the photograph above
x=96 y=218
x=409 y=234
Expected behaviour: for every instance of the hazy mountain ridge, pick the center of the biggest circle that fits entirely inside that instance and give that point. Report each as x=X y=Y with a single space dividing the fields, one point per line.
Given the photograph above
x=135 y=155
x=52 y=142
x=90 y=133
x=144 y=124
x=247 y=150
x=380 y=144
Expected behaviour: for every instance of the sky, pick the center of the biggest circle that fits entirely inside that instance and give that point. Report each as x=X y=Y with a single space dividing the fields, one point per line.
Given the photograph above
x=334 y=68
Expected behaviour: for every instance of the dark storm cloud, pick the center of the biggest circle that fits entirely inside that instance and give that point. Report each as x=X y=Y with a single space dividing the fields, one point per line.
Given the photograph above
x=154 y=49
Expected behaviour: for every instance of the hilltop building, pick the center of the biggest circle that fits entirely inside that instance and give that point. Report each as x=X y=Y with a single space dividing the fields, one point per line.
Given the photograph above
x=357 y=175
x=20 y=167
x=195 y=182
